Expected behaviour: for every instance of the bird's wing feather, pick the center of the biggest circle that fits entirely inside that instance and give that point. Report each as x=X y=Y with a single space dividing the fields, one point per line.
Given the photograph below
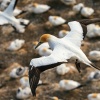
x=3 y=20
x=37 y=65
x=77 y=33
x=34 y=76
x=59 y=54
x=11 y=7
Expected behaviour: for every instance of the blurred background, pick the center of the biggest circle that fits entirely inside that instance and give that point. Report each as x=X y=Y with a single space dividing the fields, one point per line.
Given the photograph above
x=10 y=59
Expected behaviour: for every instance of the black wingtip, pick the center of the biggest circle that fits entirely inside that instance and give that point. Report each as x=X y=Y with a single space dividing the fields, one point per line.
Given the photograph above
x=89 y=21
x=94 y=66
x=34 y=76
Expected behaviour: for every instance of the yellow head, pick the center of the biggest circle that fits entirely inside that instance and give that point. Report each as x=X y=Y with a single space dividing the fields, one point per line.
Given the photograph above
x=64 y=31
x=55 y=17
x=35 y=5
x=94 y=95
x=43 y=38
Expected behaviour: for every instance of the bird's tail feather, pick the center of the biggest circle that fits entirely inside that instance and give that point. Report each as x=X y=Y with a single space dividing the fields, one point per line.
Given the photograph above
x=94 y=66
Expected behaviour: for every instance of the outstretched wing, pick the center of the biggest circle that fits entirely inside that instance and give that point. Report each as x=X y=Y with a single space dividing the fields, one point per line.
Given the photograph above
x=11 y=7
x=77 y=33
x=38 y=65
x=34 y=76
x=59 y=54
x=3 y=20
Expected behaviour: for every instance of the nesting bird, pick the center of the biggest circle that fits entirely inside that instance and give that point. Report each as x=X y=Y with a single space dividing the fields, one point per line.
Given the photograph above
x=7 y=17
x=4 y=4
x=62 y=69
x=38 y=8
x=68 y=2
x=44 y=52
x=93 y=31
x=68 y=84
x=94 y=96
x=62 y=33
x=87 y=12
x=16 y=44
x=63 y=49
x=23 y=93
x=17 y=72
x=24 y=81
x=56 y=20
x=77 y=8
x=94 y=76
x=94 y=55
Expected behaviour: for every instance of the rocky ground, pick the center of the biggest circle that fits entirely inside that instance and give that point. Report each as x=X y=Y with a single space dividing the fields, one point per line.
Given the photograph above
x=36 y=28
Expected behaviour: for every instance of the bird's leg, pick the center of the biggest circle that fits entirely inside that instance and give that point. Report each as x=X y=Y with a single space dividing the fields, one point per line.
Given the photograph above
x=77 y=65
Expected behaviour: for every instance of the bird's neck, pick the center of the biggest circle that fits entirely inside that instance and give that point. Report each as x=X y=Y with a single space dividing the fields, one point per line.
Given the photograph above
x=52 y=42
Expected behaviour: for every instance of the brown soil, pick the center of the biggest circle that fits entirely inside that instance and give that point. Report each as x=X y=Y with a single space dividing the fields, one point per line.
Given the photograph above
x=23 y=56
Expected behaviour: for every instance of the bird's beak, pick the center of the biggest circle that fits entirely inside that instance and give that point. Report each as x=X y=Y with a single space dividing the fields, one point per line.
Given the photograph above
x=38 y=44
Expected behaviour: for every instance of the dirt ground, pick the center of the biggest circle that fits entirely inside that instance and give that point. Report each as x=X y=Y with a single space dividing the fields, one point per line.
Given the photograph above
x=23 y=56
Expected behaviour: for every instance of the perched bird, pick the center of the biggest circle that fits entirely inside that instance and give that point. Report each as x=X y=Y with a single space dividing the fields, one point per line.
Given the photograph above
x=93 y=31
x=62 y=69
x=23 y=93
x=94 y=96
x=68 y=2
x=24 y=81
x=4 y=4
x=69 y=84
x=44 y=52
x=77 y=8
x=7 y=17
x=94 y=76
x=62 y=33
x=38 y=8
x=56 y=20
x=63 y=49
x=16 y=44
x=87 y=12
x=17 y=72
x=94 y=55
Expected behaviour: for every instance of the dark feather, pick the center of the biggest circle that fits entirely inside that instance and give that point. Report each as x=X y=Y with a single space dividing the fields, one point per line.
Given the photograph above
x=89 y=21
x=34 y=76
x=15 y=4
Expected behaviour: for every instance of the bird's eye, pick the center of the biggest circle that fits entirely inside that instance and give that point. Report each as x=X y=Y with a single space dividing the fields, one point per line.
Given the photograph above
x=20 y=69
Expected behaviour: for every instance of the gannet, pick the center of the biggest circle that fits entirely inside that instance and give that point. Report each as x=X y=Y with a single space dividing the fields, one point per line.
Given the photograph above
x=68 y=84
x=17 y=72
x=94 y=96
x=63 y=49
x=7 y=17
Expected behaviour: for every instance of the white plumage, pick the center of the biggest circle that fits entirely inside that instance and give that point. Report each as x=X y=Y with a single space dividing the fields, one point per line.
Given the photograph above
x=16 y=44
x=38 y=8
x=24 y=81
x=94 y=96
x=23 y=93
x=70 y=45
x=17 y=72
x=55 y=20
x=62 y=33
x=94 y=55
x=86 y=11
x=44 y=52
x=68 y=84
x=93 y=31
x=62 y=69
x=69 y=2
x=78 y=7
x=6 y=17
x=94 y=76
